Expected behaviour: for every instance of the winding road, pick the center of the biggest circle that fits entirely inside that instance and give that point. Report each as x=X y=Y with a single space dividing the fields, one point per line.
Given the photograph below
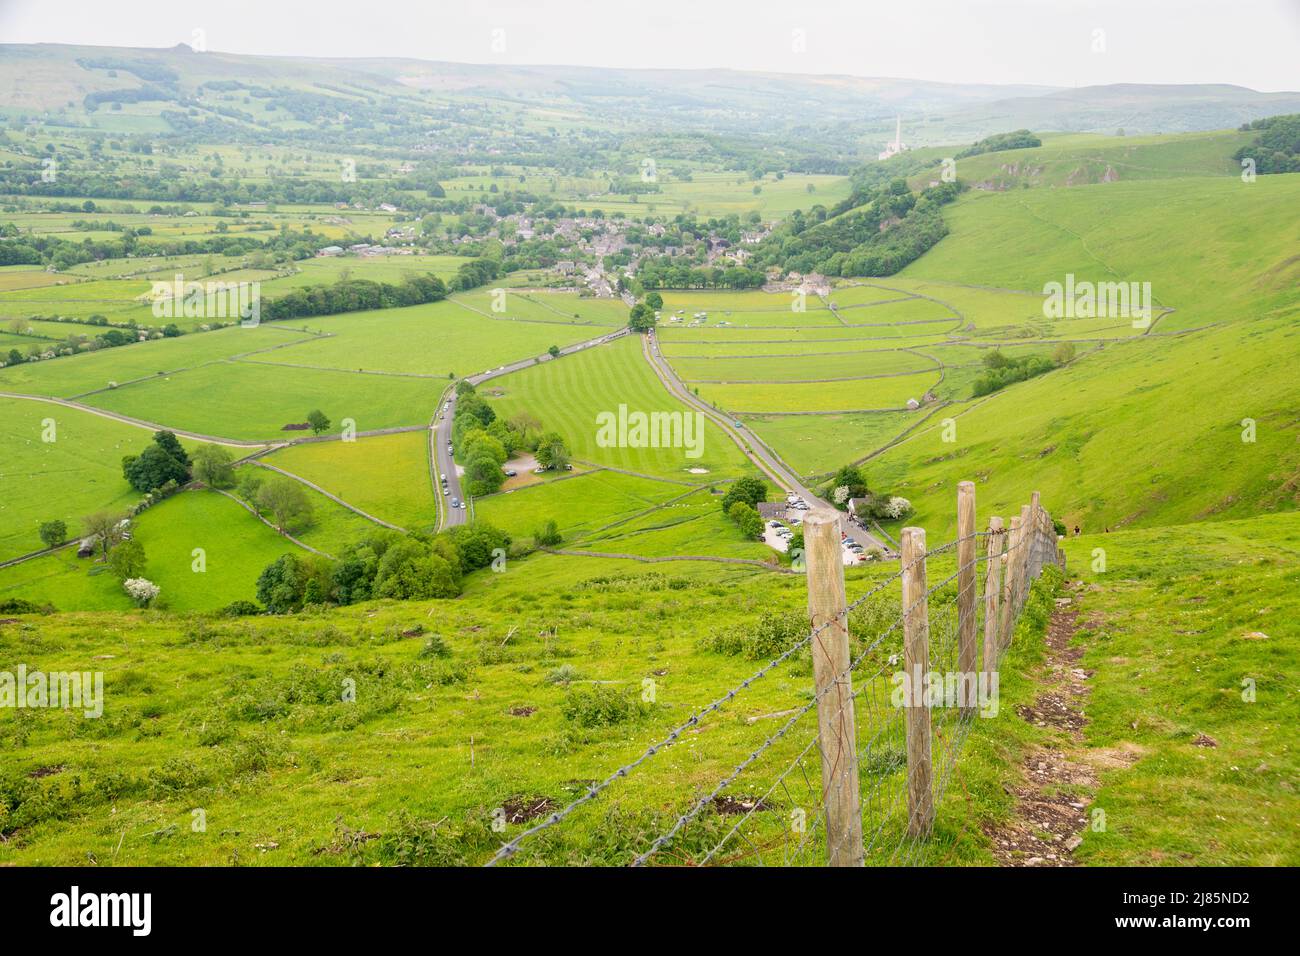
x=440 y=438
x=768 y=461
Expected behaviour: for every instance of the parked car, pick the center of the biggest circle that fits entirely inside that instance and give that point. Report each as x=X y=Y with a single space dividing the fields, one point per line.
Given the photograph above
x=509 y=472
x=462 y=506
x=444 y=479
x=455 y=502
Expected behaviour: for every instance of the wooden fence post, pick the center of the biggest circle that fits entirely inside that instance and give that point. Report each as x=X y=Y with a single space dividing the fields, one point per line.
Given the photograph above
x=916 y=660
x=991 y=604
x=1036 y=523
x=1022 y=566
x=1010 y=561
x=836 y=726
x=967 y=650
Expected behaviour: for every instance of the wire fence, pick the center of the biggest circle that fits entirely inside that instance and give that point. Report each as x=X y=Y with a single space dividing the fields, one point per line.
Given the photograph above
x=852 y=774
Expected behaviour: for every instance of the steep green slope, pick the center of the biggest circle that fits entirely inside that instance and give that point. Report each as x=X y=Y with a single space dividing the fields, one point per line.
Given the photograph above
x=1080 y=159
x=1214 y=249
x=1146 y=432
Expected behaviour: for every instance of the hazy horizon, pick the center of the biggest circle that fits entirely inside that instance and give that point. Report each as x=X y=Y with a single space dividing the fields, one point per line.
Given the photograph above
x=998 y=42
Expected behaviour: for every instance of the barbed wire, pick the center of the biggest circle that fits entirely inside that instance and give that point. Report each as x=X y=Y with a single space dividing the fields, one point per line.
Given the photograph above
x=943 y=642
x=512 y=846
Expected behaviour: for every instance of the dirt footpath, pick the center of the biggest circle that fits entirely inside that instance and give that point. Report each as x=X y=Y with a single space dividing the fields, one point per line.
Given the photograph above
x=1059 y=779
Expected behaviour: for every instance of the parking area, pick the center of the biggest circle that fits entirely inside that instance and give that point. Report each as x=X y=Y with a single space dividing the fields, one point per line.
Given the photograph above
x=782 y=520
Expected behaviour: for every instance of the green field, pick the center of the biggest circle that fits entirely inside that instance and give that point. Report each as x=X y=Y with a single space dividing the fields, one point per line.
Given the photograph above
x=384 y=475
x=75 y=375
x=77 y=473
x=569 y=394
x=432 y=340
x=254 y=401
x=875 y=394
x=579 y=505
x=236 y=548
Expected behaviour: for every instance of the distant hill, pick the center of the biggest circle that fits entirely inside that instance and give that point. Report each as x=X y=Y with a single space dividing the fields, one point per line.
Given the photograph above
x=1135 y=108
x=846 y=111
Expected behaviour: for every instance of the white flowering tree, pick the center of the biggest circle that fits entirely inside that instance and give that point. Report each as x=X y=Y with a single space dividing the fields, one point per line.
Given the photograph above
x=897 y=508
x=841 y=494
x=142 y=590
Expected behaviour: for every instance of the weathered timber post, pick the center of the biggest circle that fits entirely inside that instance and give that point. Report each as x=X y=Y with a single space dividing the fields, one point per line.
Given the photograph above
x=967 y=649
x=916 y=659
x=991 y=604
x=1022 y=568
x=829 y=617
x=1036 y=523
x=1011 y=561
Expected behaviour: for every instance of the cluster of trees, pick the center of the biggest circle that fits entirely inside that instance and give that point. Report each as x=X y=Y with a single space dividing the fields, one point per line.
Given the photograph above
x=485 y=442
x=641 y=318
x=666 y=272
x=1002 y=370
x=163 y=464
x=893 y=228
x=284 y=499
x=28 y=249
x=475 y=273
x=47 y=347
x=354 y=295
x=1018 y=139
x=386 y=564
x=123 y=554
x=1277 y=148
x=740 y=504
x=849 y=483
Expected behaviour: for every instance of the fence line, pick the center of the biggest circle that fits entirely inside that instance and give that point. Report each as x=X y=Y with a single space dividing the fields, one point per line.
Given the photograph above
x=885 y=756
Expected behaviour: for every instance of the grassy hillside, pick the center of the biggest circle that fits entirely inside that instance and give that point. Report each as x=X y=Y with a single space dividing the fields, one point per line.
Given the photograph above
x=1180 y=625
x=1217 y=249
x=1162 y=452
x=456 y=717
x=1080 y=159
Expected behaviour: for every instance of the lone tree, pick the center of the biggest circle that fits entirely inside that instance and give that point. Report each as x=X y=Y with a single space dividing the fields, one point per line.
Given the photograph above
x=127 y=560
x=286 y=501
x=163 y=461
x=105 y=527
x=641 y=318
x=318 y=421
x=53 y=532
x=553 y=351
x=749 y=490
x=213 y=465
x=552 y=453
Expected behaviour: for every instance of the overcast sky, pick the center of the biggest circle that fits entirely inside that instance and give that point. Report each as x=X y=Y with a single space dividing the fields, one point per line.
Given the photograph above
x=1054 y=42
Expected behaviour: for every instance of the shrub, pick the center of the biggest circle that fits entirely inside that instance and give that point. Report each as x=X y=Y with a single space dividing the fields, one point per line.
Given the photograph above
x=240 y=609
x=601 y=706
x=435 y=646
x=564 y=674
x=141 y=590
x=774 y=633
